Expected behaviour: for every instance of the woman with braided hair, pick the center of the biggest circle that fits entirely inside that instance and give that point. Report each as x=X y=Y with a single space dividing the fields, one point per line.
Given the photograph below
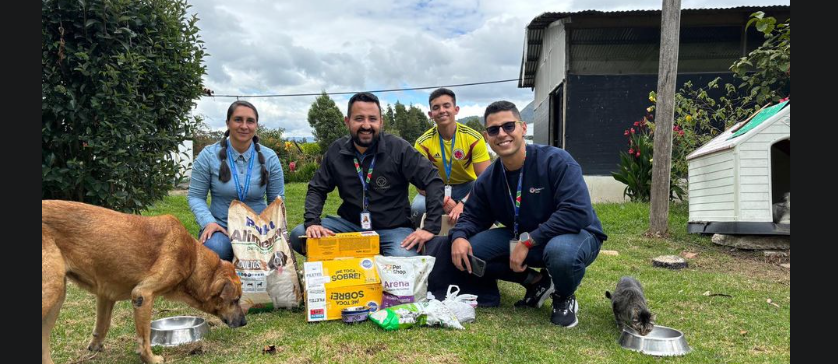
x=237 y=167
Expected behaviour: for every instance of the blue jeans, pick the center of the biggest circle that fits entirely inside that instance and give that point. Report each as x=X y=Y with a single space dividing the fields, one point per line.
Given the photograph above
x=565 y=256
x=417 y=208
x=220 y=244
x=390 y=240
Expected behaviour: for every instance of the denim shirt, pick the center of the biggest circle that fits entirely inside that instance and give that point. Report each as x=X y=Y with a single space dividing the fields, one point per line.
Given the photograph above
x=205 y=179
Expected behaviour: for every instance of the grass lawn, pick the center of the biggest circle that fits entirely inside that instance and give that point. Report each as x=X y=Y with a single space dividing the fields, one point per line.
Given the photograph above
x=742 y=328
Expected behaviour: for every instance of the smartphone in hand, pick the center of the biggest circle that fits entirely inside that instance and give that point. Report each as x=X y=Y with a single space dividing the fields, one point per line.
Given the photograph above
x=478 y=266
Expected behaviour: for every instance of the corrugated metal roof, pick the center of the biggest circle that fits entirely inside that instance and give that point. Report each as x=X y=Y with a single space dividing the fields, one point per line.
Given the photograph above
x=623 y=35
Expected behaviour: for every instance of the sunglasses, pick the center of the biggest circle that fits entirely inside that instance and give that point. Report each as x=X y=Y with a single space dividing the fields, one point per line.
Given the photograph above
x=508 y=127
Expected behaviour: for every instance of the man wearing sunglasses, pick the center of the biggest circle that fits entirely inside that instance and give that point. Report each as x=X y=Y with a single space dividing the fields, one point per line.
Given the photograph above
x=457 y=151
x=538 y=194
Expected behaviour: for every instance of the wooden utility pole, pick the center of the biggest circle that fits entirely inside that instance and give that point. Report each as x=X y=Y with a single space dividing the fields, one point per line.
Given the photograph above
x=664 y=115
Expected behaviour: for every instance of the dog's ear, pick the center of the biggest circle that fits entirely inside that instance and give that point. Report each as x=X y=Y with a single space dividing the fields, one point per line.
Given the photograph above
x=229 y=291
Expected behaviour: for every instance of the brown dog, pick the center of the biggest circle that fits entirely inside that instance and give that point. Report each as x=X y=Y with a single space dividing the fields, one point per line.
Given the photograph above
x=118 y=257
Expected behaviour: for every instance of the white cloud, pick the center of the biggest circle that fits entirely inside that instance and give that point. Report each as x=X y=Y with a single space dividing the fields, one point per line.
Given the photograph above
x=289 y=47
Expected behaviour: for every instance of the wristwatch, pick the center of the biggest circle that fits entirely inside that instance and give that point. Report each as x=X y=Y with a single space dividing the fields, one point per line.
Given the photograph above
x=526 y=240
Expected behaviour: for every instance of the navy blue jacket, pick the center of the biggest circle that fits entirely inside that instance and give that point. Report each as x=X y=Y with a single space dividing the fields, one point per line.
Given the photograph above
x=554 y=199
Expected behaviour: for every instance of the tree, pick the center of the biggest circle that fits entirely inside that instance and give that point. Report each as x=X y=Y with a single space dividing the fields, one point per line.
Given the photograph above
x=417 y=124
x=272 y=138
x=119 y=79
x=408 y=123
x=203 y=136
x=399 y=119
x=473 y=122
x=389 y=117
x=326 y=120
x=766 y=72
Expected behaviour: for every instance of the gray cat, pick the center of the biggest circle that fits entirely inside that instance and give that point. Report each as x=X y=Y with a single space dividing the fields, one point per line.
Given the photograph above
x=630 y=308
x=782 y=210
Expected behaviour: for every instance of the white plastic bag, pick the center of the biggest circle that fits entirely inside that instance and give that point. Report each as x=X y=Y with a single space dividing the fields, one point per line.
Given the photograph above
x=438 y=313
x=461 y=306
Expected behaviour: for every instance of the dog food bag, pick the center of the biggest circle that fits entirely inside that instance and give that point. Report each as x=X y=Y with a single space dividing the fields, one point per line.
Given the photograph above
x=405 y=279
x=264 y=259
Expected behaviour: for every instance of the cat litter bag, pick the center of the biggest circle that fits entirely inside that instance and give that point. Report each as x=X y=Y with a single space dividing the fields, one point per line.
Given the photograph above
x=405 y=279
x=263 y=259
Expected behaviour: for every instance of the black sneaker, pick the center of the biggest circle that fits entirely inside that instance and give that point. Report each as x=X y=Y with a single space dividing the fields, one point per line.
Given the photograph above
x=537 y=293
x=564 y=311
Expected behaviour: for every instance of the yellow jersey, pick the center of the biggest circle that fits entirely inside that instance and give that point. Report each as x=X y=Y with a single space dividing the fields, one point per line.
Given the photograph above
x=470 y=148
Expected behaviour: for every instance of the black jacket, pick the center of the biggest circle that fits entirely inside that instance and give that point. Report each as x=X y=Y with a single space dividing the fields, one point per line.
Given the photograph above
x=397 y=164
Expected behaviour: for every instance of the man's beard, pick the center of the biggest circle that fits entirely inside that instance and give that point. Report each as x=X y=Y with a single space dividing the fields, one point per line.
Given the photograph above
x=357 y=139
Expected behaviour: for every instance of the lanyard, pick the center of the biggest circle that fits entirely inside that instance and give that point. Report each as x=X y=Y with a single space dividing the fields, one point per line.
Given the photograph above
x=448 y=165
x=241 y=193
x=367 y=183
x=516 y=202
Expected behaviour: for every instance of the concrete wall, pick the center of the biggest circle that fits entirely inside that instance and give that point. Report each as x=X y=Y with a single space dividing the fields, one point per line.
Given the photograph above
x=605 y=189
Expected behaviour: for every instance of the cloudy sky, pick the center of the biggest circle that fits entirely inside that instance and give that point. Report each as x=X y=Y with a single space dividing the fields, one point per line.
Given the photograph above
x=282 y=47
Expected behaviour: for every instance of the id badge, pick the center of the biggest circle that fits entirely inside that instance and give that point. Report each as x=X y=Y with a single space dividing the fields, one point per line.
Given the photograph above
x=366 y=221
x=512 y=244
x=448 y=191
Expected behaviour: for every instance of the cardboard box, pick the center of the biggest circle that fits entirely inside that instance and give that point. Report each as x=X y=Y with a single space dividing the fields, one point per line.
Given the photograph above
x=324 y=303
x=343 y=245
x=340 y=273
x=444 y=228
x=333 y=285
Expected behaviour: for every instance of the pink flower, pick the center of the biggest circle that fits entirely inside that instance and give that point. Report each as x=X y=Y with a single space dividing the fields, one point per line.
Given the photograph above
x=681 y=132
x=631 y=151
x=638 y=154
x=636 y=123
x=632 y=130
x=626 y=132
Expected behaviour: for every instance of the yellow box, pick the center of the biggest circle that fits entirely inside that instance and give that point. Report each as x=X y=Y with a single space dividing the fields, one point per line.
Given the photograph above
x=341 y=272
x=324 y=303
x=343 y=245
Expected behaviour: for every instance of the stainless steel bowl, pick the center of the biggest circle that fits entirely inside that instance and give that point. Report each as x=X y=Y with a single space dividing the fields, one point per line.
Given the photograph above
x=177 y=330
x=662 y=341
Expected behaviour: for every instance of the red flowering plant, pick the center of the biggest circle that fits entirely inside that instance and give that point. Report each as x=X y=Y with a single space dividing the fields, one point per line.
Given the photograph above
x=635 y=169
x=636 y=162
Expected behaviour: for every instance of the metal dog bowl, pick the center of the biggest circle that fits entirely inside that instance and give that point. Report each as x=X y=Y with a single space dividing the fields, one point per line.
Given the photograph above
x=177 y=330
x=662 y=341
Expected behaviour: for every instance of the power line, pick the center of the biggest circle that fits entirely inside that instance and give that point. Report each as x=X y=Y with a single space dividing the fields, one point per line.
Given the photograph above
x=373 y=91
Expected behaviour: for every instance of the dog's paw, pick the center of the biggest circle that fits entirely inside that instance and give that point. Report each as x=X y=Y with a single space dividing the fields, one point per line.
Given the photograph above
x=95 y=346
x=153 y=359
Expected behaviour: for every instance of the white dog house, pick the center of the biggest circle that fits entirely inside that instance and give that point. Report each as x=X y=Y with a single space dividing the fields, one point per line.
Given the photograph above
x=735 y=179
